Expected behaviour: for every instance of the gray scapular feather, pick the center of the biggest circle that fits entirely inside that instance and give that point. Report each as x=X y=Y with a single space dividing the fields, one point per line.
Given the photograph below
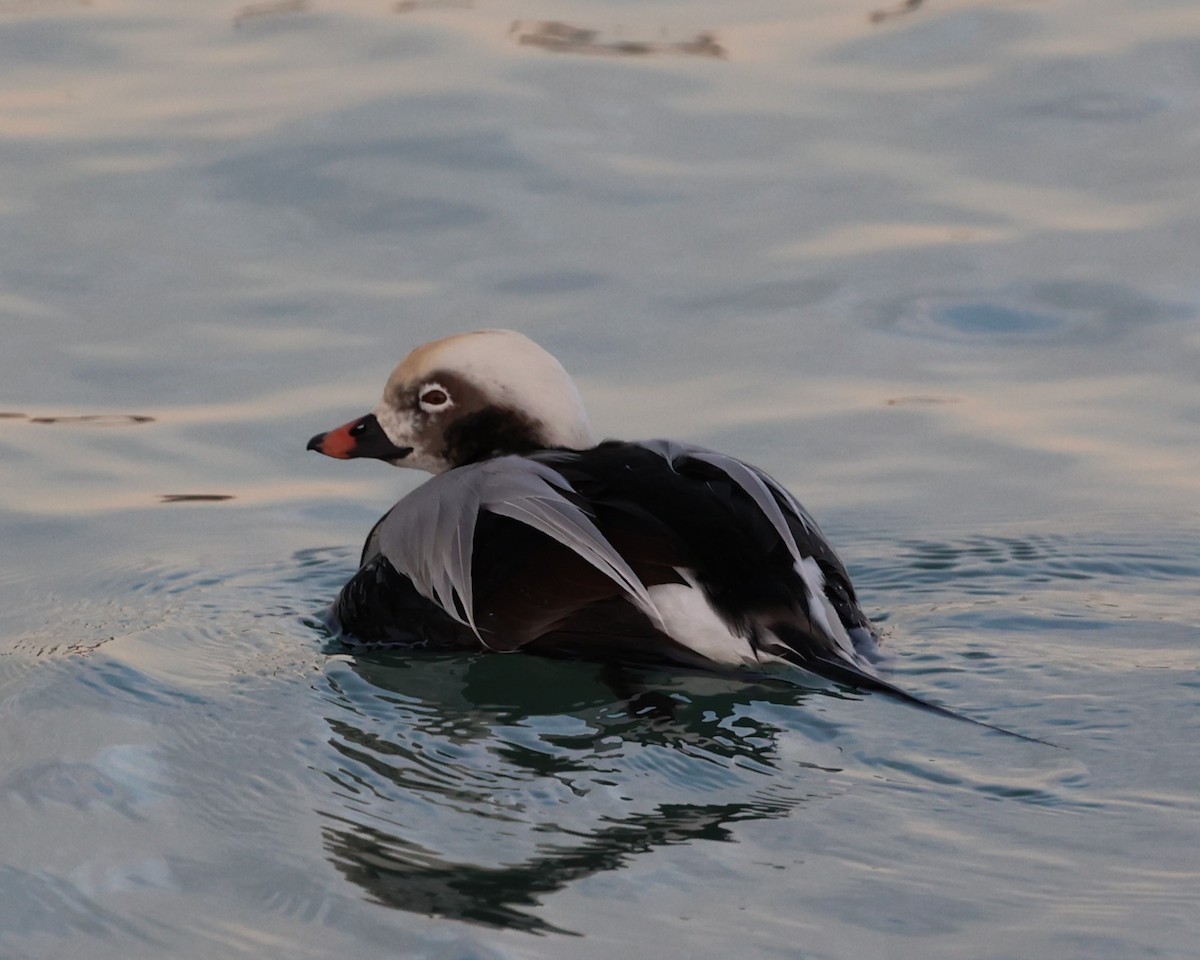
x=429 y=537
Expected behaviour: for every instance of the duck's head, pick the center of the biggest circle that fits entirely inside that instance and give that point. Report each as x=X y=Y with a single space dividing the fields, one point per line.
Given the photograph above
x=466 y=398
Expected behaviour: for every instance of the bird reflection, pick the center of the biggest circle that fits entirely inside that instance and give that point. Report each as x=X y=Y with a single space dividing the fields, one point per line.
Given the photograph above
x=559 y=37
x=472 y=786
x=402 y=874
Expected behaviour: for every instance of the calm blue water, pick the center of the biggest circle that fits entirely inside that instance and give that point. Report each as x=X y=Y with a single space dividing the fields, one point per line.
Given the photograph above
x=934 y=270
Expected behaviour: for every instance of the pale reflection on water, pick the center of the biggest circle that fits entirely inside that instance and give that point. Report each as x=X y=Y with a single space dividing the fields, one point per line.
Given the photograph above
x=1092 y=429
x=933 y=269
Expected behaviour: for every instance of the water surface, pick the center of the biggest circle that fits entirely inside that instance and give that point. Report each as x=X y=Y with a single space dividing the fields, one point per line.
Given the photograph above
x=934 y=269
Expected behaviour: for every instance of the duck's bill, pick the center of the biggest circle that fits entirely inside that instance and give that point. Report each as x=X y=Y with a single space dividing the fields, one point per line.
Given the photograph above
x=363 y=437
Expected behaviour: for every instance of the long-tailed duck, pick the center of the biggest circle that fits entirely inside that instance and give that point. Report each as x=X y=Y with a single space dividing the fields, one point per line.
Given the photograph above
x=532 y=536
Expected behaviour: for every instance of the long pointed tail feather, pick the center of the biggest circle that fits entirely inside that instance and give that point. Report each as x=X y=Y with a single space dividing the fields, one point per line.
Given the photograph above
x=842 y=672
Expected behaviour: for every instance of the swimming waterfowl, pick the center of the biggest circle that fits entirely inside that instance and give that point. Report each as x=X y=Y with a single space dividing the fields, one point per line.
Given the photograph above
x=532 y=536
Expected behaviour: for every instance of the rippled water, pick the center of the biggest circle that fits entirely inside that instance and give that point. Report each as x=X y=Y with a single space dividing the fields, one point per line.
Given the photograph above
x=931 y=264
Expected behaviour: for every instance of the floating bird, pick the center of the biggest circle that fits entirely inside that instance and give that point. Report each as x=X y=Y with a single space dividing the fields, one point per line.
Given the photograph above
x=532 y=536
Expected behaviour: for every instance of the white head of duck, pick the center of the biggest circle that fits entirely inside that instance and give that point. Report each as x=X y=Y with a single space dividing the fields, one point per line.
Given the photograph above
x=464 y=399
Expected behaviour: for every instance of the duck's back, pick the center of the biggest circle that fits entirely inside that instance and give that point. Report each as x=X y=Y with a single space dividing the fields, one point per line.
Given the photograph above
x=621 y=549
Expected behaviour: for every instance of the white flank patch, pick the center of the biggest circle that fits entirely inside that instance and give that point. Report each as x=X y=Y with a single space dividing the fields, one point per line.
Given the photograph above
x=689 y=619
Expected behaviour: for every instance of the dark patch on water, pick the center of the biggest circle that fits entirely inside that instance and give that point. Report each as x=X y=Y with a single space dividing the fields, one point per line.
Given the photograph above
x=1102 y=105
x=97 y=419
x=559 y=37
x=1058 y=312
x=408 y=6
x=263 y=11
x=920 y=400
x=886 y=13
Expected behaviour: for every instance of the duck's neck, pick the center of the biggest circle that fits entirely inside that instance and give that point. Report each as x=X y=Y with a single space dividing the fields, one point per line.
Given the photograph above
x=492 y=432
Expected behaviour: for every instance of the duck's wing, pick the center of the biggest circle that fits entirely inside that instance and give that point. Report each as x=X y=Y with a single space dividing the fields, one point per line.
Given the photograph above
x=430 y=538
x=517 y=548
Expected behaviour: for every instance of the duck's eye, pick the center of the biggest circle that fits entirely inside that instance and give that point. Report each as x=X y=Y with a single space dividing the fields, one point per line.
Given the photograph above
x=434 y=398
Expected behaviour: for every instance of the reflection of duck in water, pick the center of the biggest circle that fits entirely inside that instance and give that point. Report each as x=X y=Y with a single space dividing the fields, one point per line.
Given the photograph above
x=458 y=777
x=405 y=875
x=530 y=536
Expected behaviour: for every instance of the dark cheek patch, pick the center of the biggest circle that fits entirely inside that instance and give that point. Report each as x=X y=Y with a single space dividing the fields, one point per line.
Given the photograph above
x=490 y=432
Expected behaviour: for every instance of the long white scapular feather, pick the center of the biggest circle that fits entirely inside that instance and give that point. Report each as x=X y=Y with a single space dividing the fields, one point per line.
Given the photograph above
x=429 y=540
x=821 y=612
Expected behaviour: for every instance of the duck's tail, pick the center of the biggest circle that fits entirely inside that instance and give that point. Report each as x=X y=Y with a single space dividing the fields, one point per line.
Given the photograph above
x=833 y=667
